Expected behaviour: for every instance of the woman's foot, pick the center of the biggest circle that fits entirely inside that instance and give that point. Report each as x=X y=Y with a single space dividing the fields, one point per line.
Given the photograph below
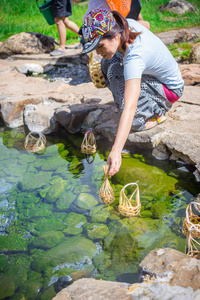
x=154 y=121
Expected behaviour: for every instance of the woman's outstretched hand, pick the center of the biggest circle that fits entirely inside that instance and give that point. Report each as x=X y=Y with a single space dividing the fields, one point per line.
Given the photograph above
x=114 y=162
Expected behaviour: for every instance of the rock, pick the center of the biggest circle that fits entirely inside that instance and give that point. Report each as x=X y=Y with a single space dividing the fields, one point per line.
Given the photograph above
x=7 y=287
x=72 y=250
x=27 y=43
x=65 y=200
x=178 y=7
x=29 y=69
x=74 y=223
x=184 y=269
x=190 y=73
x=194 y=57
x=161 y=152
x=71 y=117
x=96 y=231
x=101 y=290
x=185 y=36
x=48 y=240
x=86 y=201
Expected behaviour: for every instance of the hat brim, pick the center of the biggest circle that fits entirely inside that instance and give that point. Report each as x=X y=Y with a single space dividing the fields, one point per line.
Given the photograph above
x=91 y=45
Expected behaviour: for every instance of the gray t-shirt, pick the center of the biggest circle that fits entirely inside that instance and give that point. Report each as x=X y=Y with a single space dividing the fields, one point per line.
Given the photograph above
x=148 y=55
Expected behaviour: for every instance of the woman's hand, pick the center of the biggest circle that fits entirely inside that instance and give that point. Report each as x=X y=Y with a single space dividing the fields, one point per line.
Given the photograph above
x=114 y=162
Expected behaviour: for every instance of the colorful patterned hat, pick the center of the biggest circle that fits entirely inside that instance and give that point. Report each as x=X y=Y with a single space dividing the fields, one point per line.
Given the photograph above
x=95 y=25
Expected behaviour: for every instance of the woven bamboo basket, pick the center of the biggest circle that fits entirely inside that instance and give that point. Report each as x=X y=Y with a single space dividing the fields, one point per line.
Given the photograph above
x=96 y=73
x=35 y=141
x=129 y=207
x=106 y=192
x=193 y=246
x=88 y=145
x=191 y=222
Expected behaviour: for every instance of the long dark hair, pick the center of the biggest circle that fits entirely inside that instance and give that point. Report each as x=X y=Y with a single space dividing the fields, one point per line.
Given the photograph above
x=121 y=27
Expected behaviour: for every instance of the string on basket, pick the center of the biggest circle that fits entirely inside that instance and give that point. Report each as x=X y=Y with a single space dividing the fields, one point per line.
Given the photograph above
x=96 y=73
x=129 y=207
x=33 y=143
x=106 y=192
x=88 y=145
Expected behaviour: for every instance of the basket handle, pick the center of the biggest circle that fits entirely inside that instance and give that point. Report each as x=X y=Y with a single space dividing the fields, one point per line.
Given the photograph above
x=91 y=59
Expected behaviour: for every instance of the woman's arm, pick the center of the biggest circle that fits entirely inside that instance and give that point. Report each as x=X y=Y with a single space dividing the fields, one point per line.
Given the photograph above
x=131 y=95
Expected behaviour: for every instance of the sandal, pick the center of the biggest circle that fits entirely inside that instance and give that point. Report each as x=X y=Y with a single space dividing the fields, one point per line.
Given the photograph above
x=57 y=52
x=155 y=120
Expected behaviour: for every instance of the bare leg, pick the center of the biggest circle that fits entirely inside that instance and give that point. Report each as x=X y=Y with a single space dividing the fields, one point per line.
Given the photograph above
x=71 y=25
x=61 y=31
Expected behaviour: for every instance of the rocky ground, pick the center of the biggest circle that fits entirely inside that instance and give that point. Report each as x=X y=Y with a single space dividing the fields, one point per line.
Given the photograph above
x=73 y=102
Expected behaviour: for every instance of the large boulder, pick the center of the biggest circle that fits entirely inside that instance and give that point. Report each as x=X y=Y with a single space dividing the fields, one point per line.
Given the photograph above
x=194 y=57
x=27 y=43
x=178 y=7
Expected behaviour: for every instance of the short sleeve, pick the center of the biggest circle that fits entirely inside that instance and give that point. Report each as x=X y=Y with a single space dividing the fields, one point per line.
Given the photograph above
x=133 y=67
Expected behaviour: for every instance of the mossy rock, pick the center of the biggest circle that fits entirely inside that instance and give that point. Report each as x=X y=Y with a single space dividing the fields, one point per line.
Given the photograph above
x=35 y=181
x=18 y=296
x=102 y=261
x=48 y=239
x=39 y=210
x=7 y=287
x=30 y=289
x=99 y=214
x=81 y=189
x=152 y=180
x=74 y=223
x=55 y=191
x=49 y=224
x=65 y=200
x=72 y=250
x=52 y=163
x=96 y=230
x=86 y=201
x=159 y=210
x=3 y=261
x=49 y=293
x=13 y=243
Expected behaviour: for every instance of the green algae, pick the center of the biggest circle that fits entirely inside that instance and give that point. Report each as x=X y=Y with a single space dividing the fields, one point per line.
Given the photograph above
x=56 y=218
x=48 y=239
x=96 y=230
x=72 y=250
x=86 y=201
x=13 y=243
x=152 y=180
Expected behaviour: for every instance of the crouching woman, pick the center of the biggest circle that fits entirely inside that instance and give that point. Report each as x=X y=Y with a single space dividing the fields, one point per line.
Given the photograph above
x=140 y=71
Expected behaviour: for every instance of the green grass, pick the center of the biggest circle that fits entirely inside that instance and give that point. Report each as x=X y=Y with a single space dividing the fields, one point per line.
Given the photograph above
x=24 y=16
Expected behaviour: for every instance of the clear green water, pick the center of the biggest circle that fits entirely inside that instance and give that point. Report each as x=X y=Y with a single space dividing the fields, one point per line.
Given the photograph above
x=54 y=229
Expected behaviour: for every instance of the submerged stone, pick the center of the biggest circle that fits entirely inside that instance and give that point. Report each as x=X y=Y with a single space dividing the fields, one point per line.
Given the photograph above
x=99 y=214
x=34 y=181
x=48 y=239
x=7 y=287
x=102 y=261
x=13 y=243
x=65 y=200
x=96 y=230
x=55 y=190
x=74 y=223
x=49 y=293
x=49 y=224
x=72 y=250
x=152 y=180
x=86 y=201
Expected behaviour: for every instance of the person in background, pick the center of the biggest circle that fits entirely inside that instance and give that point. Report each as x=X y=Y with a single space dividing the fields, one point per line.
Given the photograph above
x=134 y=12
x=151 y=82
x=62 y=9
